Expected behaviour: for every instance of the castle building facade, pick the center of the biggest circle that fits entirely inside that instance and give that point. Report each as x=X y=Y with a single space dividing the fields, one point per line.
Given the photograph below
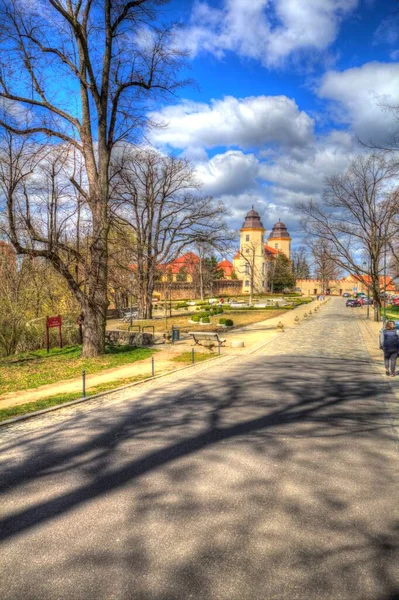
x=252 y=260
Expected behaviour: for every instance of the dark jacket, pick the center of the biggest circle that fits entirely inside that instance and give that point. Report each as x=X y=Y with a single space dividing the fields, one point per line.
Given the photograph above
x=390 y=342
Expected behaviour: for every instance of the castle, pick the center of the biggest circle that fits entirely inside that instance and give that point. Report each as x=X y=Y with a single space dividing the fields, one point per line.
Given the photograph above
x=248 y=272
x=251 y=262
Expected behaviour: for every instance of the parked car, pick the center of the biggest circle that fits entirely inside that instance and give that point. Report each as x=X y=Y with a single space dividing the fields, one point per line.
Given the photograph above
x=346 y=295
x=365 y=301
x=353 y=302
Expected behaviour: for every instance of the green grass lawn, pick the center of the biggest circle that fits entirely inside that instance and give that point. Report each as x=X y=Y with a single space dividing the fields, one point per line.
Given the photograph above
x=240 y=318
x=23 y=409
x=393 y=313
x=33 y=369
x=186 y=357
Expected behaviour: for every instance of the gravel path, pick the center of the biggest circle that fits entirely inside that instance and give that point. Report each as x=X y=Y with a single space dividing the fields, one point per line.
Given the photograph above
x=270 y=477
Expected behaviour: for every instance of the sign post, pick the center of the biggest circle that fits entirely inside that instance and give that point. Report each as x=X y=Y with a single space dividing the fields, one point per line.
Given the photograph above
x=53 y=322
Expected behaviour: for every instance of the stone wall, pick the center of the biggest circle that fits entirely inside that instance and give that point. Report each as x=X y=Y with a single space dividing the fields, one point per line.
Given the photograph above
x=127 y=338
x=186 y=290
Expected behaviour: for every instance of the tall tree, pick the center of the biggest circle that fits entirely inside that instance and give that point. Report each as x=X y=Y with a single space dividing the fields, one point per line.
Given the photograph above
x=283 y=276
x=78 y=73
x=156 y=196
x=324 y=263
x=359 y=218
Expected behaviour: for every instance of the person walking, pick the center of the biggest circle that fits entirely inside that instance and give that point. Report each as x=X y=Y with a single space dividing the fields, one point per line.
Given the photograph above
x=390 y=346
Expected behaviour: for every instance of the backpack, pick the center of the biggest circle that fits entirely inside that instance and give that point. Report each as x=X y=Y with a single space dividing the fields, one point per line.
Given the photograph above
x=382 y=337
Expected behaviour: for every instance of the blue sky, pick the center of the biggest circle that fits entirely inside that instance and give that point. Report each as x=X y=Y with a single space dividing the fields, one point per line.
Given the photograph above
x=285 y=87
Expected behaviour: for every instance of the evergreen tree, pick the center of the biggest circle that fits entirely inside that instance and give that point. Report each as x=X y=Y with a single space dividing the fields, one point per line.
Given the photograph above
x=282 y=276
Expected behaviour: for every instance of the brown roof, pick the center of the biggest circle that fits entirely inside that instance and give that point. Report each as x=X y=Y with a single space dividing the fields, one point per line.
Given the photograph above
x=252 y=220
x=279 y=231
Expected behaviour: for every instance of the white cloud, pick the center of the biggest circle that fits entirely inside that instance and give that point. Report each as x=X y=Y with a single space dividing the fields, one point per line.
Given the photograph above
x=248 y=122
x=360 y=94
x=276 y=182
x=295 y=179
x=387 y=31
x=230 y=173
x=265 y=30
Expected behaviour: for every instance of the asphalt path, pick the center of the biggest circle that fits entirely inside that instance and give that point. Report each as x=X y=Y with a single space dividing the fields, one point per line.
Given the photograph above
x=270 y=477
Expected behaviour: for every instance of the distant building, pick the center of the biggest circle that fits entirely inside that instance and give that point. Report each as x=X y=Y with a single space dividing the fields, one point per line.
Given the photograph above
x=183 y=267
x=351 y=284
x=227 y=267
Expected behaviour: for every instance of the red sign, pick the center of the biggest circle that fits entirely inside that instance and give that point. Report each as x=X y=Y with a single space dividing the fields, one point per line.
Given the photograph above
x=54 y=321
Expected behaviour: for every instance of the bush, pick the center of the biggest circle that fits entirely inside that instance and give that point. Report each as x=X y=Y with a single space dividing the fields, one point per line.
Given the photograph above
x=205 y=320
x=229 y=322
x=181 y=305
x=196 y=318
x=222 y=321
x=207 y=308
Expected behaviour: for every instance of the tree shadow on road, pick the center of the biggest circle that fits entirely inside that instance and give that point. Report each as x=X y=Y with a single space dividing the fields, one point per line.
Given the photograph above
x=275 y=476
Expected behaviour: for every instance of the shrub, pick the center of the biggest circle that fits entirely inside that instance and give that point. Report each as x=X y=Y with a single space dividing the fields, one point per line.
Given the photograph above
x=196 y=318
x=181 y=305
x=229 y=322
x=207 y=308
x=205 y=320
x=222 y=321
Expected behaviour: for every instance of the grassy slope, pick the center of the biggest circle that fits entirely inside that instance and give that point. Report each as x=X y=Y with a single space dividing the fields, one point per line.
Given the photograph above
x=33 y=369
x=22 y=409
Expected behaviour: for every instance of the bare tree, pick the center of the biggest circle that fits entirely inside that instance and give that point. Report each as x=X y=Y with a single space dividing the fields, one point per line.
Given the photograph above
x=156 y=196
x=300 y=264
x=359 y=218
x=324 y=263
x=109 y=56
x=252 y=255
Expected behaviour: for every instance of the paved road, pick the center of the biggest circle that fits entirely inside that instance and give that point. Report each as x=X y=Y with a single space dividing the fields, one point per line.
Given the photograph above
x=272 y=477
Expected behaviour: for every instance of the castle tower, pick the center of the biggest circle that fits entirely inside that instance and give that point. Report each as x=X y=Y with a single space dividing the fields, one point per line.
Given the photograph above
x=250 y=262
x=280 y=239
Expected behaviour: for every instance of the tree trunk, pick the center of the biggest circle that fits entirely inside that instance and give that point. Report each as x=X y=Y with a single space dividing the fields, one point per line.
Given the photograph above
x=94 y=329
x=95 y=303
x=145 y=293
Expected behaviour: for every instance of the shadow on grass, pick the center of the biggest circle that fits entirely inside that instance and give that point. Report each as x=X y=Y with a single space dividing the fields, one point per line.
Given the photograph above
x=250 y=484
x=67 y=351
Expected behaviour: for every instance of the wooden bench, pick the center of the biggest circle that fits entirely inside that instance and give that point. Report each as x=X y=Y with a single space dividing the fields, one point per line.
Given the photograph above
x=208 y=339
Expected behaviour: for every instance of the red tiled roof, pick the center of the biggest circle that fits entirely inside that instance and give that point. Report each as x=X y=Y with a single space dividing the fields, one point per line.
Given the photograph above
x=226 y=266
x=187 y=261
x=236 y=256
x=366 y=279
x=271 y=250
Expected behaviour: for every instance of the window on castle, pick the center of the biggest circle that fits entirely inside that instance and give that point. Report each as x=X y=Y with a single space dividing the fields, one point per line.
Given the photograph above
x=276 y=246
x=247 y=238
x=247 y=284
x=246 y=269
